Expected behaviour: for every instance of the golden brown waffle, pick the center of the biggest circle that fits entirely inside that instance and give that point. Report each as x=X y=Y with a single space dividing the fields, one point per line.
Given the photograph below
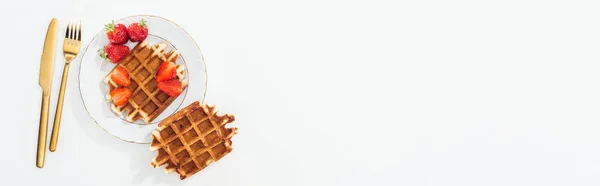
x=146 y=101
x=191 y=139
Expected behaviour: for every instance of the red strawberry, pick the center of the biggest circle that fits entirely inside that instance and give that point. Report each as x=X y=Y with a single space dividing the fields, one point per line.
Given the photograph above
x=166 y=71
x=120 y=76
x=137 y=31
x=117 y=34
x=114 y=53
x=120 y=96
x=171 y=87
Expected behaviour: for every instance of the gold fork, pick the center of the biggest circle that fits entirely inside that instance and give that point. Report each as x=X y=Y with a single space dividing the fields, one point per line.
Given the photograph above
x=71 y=47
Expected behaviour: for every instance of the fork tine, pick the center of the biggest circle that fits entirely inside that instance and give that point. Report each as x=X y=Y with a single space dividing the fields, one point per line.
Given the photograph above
x=67 y=32
x=75 y=31
x=72 y=30
x=74 y=35
x=79 y=31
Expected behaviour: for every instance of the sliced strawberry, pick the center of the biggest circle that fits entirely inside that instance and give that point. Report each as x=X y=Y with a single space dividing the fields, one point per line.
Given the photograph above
x=120 y=76
x=120 y=96
x=171 y=87
x=166 y=71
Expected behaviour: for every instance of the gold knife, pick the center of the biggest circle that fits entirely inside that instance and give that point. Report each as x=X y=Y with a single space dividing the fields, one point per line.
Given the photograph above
x=46 y=72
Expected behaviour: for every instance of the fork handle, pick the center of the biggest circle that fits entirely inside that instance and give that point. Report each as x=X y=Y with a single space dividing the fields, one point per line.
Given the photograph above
x=41 y=148
x=59 y=106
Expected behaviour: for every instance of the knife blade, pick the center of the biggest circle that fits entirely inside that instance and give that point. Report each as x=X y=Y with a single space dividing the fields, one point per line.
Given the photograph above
x=46 y=72
x=47 y=64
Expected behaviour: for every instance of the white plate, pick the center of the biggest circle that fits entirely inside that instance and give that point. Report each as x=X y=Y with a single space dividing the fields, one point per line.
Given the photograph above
x=93 y=69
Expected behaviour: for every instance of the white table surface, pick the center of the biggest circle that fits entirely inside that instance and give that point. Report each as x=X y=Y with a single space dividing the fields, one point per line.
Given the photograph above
x=464 y=93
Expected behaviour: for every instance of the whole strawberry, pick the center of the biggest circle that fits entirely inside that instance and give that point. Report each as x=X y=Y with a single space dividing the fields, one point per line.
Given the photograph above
x=137 y=31
x=114 y=53
x=116 y=33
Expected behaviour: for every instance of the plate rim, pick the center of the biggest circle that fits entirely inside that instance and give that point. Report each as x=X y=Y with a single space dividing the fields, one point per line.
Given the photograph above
x=140 y=15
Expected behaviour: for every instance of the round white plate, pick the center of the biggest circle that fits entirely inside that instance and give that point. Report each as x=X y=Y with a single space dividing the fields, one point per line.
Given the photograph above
x=93 y=69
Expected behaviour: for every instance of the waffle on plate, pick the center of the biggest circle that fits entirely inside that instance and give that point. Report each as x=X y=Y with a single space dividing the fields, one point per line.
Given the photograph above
x=146 y=101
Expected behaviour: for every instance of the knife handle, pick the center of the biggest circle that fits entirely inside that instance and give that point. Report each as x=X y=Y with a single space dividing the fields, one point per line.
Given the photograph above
x=41 y=148
x=59 y=106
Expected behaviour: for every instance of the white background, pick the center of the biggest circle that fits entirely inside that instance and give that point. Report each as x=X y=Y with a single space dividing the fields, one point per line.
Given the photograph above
x=464 y=93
